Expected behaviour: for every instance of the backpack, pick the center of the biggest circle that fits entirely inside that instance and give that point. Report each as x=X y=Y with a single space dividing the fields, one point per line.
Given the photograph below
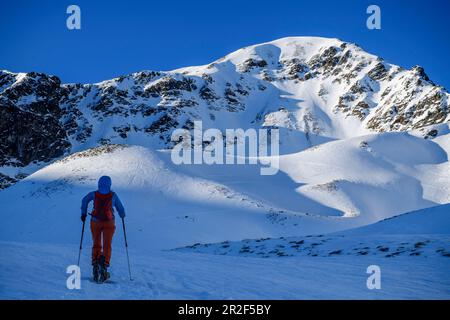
x=103 y=210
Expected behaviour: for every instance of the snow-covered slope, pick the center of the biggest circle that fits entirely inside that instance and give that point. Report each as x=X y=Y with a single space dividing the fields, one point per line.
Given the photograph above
x=335 y=186
x=312 y=267
x=376 y=175
x=433 y=220
x=424 y=232
x=170 y=206
x=165 y=207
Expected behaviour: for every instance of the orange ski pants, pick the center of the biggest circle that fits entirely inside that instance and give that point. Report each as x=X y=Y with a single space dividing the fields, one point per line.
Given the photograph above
x=102 y=234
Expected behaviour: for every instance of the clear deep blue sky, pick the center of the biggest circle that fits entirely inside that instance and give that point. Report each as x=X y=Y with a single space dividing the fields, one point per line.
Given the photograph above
x=120 y=37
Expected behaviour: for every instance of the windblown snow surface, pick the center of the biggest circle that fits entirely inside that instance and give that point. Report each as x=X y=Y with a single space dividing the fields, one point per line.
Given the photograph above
x=312 y=229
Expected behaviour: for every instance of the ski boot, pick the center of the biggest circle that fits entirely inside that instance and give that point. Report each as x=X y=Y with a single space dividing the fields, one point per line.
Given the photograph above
x=96 y=271
x=103 y=271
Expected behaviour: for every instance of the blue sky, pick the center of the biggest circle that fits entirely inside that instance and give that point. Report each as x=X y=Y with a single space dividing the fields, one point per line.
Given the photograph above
x=120 y=37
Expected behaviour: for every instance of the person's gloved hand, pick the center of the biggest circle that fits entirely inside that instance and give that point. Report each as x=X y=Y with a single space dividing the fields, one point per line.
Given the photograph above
x=83 y=218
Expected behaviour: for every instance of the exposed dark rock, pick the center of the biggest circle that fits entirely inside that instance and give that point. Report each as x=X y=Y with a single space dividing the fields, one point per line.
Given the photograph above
x=122 y=131
x=379 y=72
x=361 y=110
x=208 y=94
x=6 y=181
x=421 y=72
x=326 y=60
x=30 y=128
x=253 y=63
x=169 y=86
x=163 y=124
x=295 y=69
x=431 y=134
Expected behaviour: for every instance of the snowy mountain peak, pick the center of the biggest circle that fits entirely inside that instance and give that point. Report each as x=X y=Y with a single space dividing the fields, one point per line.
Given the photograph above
x=314 y=89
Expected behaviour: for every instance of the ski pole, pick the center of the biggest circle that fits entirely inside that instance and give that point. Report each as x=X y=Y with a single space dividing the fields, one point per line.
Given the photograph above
x=126 y=247
x=81 y=243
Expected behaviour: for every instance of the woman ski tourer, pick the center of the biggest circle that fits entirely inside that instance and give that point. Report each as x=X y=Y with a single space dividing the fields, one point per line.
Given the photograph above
x=102 y=225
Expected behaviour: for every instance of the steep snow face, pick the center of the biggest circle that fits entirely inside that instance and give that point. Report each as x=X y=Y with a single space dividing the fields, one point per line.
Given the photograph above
x=314 y=89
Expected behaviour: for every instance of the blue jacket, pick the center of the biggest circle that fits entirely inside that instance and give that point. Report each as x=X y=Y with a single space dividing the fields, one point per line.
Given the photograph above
x=104 y=187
